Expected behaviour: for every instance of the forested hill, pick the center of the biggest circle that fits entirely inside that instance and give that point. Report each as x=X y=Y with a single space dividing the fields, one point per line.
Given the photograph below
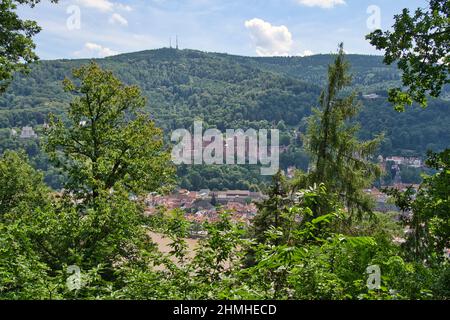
x=232 y=91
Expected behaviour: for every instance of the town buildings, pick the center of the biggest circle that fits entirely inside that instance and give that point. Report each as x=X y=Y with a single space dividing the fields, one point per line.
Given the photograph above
x=206 y=205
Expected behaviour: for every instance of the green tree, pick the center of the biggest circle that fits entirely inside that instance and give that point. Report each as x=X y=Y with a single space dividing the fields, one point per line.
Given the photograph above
x=108 y=142
x=341 y=161
x=420 y=42
x=21 y=187
x=16 y=44
x=22 y=274
x=112 y=154
x=270 y=211
x=23 y=194
x=429 y=211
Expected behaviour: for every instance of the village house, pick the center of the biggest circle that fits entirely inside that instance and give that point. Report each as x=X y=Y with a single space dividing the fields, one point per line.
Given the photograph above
x=410 y=162
x=28 y=133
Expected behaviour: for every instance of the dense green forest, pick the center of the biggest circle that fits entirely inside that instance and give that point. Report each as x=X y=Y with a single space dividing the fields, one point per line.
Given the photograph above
x=314 y=237
x=75 y=198
x=227 y=91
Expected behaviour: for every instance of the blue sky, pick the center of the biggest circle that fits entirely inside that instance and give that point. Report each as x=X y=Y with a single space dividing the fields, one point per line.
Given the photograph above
x=97 y=28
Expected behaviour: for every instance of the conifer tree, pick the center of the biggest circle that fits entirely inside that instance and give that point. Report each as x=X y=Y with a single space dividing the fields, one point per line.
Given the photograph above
x=340 y=160
x=270 y=211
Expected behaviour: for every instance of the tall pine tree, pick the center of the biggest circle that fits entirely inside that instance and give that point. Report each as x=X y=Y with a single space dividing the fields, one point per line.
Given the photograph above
x=270 y=211
x=339 y=159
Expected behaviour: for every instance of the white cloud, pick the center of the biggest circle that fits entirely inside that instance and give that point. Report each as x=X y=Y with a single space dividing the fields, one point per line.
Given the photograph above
x=327 y=4
x=95 y=50
x=117 y=18
x=306 y=53
x=102 y=5
x=269 y=40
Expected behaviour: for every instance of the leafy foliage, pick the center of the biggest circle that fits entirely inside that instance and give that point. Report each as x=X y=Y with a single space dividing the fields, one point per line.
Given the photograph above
x=16 y=44
x=420 y=42
x=427 y=212
x=303 y=245
x=108 y=142
x=95 y=224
